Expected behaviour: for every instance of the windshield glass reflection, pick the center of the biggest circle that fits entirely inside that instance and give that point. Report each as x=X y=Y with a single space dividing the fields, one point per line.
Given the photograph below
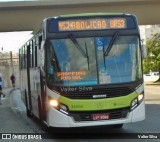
x=82 y=61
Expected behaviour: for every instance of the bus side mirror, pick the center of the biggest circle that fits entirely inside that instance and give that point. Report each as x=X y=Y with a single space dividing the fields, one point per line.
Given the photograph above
x=144 y=51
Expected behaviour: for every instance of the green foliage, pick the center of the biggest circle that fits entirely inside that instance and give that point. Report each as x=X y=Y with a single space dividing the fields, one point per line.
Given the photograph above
x=152 y=62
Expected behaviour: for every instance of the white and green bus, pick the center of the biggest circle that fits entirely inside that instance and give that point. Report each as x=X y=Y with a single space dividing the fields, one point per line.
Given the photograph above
x=84 y=70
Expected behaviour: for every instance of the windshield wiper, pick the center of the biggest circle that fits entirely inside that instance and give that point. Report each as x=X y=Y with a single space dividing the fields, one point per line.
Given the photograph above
x=115 y=36
x=104 y=60
x=77 y=45
x=85 y=54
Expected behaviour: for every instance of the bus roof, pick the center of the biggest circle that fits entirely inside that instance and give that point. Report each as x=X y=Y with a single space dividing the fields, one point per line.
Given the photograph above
x=88 y=15
x=91 y=14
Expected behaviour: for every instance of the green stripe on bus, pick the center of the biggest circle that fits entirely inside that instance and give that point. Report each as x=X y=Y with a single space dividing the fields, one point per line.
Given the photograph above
x=91 y=14
x=98 y=104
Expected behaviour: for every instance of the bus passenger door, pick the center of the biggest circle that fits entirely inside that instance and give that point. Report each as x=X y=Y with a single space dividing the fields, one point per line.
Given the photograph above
x=43 y=97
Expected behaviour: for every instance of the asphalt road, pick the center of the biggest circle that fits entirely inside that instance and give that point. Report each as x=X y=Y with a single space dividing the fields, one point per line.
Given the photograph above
x=129 y=132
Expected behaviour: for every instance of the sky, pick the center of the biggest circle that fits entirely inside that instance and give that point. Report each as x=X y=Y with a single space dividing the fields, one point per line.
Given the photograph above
x=12 y=41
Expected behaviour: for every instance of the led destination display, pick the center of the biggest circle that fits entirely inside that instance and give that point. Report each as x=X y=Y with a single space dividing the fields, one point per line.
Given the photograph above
x=91 y=24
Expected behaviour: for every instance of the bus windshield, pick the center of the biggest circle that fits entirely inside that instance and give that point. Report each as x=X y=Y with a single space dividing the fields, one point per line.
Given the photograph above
x=82 y=61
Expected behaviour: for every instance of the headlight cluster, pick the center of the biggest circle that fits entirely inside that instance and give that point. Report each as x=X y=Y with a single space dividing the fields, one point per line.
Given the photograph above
x=137 y=101
x=57 y=105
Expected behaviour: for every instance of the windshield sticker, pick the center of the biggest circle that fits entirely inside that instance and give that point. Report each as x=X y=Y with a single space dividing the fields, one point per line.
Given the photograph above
x=71 y=75
x=104 y=79
x=100 y=48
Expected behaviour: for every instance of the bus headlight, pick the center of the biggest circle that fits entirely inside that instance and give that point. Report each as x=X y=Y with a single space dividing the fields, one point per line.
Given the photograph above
x=63 y=109
x=134 y=104
x=58 y=106
x=137 y=101
x=140 y=97
x=53 y=103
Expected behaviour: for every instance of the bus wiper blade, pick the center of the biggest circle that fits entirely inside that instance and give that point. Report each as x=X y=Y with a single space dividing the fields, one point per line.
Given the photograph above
x=115 y=36
x=77 y=45
x=104 y=60
x=87 y=55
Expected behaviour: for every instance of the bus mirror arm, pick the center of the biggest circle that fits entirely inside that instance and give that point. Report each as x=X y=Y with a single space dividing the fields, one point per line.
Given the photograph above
x=42 y=73
x=42 y=44
x=144 y=51
x=41 y=55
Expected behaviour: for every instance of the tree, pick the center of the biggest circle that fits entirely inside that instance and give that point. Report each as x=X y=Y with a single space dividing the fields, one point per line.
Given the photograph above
x=152 y=62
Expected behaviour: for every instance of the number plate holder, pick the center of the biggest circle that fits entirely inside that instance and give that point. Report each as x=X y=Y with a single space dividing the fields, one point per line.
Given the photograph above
x=103 y=116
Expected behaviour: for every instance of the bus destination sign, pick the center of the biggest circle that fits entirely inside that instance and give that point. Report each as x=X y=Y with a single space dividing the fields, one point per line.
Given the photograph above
x=91 y=24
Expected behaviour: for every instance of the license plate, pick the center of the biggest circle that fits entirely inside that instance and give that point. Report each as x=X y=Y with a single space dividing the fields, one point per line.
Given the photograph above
x=104 y=116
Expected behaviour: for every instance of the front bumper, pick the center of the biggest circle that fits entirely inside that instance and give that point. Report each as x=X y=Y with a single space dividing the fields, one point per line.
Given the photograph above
x=58 y=119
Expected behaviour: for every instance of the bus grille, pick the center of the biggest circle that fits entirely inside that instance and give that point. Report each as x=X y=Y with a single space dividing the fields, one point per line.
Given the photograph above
x=102 y=92
x=87 y=116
